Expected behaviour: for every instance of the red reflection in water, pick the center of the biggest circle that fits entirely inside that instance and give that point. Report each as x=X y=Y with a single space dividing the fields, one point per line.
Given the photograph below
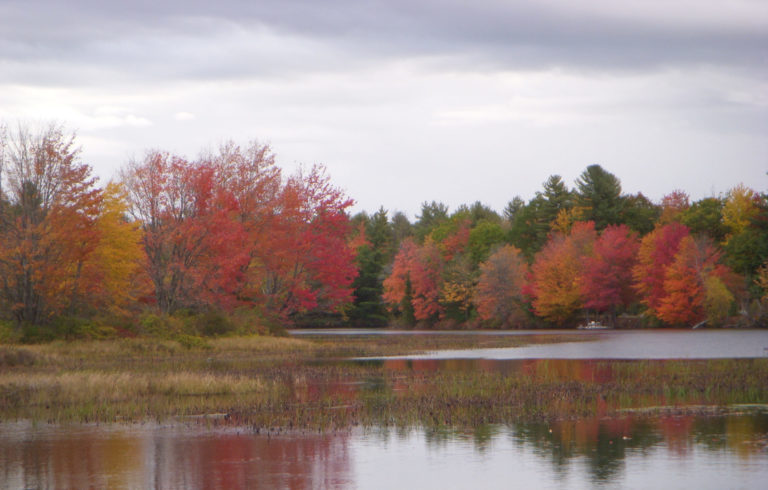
x=102 y=457
x=99 y=458
x=234 y=461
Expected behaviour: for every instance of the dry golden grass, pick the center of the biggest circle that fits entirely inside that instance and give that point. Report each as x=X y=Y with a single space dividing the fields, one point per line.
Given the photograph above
x=287 y=382
x=262 y=344
x=87 y=385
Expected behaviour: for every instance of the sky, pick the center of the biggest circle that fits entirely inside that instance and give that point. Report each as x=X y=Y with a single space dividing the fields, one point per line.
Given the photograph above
x=407 y=101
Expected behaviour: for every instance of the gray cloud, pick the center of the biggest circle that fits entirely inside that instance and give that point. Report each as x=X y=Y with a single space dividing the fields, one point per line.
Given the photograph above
x=448 y=100
x=231 y=38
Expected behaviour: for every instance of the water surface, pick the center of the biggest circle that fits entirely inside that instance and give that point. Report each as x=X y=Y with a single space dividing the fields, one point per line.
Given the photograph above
x=670 y=451
x=596 y=344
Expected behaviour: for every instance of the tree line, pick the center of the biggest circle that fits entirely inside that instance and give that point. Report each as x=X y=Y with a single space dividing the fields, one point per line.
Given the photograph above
x=227 y=240
x=171 y=237
x=568 y=256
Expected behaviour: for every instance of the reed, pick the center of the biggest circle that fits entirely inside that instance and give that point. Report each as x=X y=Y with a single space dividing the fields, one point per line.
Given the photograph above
x=271 y=383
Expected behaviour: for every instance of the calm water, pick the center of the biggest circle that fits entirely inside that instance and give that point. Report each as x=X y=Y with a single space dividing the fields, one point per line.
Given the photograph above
x=665 y=450
x=597 y=344
x=630 y=452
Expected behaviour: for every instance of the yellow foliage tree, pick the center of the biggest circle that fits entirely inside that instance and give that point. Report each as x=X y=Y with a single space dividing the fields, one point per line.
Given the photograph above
x=717 y=300
x=739 y=209
x=458 y=286
x=565 y=219
x=114 y=268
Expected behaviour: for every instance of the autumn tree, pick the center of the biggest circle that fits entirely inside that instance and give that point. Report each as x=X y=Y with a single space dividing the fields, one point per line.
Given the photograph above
x=456 y=282
x=745 y=217
x=607 y=277
x=453 y=237
x=414 y=284
x=253 y=179
x=739 y=209
x=308 y=263
x=673 y=205
x=398 y=287
x=457 y=287
x=193 y=244
x=693 y=285
x=47 y=222
x=113 y=274
x=718 y=299
x=226 y=230
x=499 y=294
x=657 y=251
x=252 y=183
x=557 y=273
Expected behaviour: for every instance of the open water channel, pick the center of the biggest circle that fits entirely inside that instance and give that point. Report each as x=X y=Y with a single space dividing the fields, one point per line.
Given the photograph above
x=636 y=450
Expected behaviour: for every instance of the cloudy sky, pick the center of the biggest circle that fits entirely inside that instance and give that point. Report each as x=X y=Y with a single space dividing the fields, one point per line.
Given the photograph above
x=408 y=100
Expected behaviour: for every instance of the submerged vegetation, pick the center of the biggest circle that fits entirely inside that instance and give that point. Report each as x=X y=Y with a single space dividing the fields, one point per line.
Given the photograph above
x=269 y=383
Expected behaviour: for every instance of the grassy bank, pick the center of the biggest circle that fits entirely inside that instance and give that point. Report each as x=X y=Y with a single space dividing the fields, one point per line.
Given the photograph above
x=287 y=383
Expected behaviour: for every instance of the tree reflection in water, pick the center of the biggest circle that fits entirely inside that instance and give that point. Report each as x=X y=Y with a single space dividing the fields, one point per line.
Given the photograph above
x=597 y=450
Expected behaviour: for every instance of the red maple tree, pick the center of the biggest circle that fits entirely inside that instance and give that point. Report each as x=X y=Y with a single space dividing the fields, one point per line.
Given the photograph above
x=657 y=251
x=607 y=277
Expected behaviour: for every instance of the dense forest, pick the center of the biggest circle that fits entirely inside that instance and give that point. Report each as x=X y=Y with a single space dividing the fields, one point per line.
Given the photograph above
x=228 y=243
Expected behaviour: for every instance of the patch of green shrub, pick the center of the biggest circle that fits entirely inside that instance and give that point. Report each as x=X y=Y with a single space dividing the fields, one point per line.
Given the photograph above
x=214 y=323
x=37 y=334
x=160 y=326
x=8 y=334
x=193 y=342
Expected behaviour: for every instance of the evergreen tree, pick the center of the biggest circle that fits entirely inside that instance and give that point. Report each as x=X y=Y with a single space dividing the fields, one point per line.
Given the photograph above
x=599 y=197
x=529 y=228
x=432 y=215
x=368 y=308
x=557 y=197
x=705 y=217
x=639 y=213
x=401 y=228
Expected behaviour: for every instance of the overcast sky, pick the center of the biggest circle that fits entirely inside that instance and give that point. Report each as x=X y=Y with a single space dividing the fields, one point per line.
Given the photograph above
x=408 y=101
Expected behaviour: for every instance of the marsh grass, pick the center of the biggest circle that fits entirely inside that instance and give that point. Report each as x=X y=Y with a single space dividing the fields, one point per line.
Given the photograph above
x=270 y=383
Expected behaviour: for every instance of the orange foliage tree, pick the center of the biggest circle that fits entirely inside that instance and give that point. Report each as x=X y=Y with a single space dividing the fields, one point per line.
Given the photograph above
x=48 y=210
x=673 y=205
x=557 y=272
x=397 y=286
x=657 y=251
x=695 y=285
x=499 y=294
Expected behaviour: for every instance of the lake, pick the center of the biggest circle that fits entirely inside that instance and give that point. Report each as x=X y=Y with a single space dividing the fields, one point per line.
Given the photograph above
x=672 y=447
x=673 y=451
x=594 y=344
